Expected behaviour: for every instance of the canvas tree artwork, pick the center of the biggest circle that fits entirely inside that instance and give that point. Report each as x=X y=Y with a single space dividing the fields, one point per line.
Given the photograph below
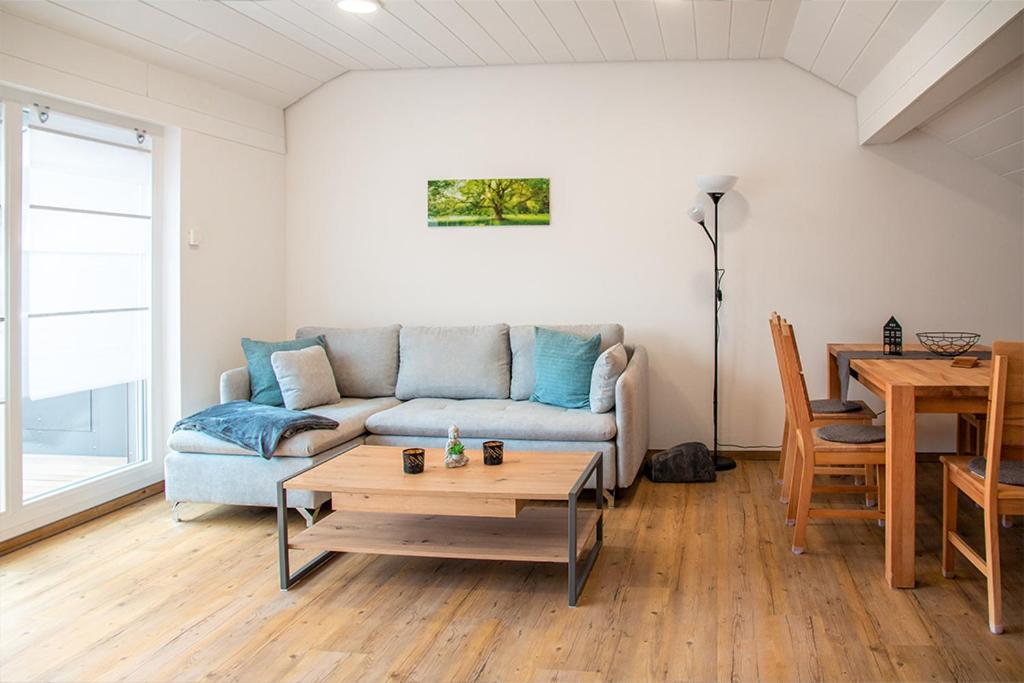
x=484 y=202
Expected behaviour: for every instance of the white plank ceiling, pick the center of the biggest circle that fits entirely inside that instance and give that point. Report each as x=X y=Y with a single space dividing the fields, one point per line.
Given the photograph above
x=276 y=51
x=987 y=124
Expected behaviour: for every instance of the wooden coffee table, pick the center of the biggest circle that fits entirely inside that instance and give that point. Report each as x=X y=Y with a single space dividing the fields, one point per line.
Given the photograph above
x=475 y=512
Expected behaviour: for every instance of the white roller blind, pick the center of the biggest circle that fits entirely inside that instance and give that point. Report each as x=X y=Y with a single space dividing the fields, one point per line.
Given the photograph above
x=77 y=173
x=86 y=261
x=89 y=351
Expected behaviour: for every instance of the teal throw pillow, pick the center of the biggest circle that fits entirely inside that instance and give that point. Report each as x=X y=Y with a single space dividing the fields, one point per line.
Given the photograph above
x=262 y=380
x=562 y=366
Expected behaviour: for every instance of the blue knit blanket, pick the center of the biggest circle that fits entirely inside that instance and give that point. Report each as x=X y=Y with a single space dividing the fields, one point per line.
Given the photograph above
x=252 y=425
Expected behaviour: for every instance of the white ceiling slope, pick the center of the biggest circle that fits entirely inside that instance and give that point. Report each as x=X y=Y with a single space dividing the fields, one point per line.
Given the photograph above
x=987 y=124
x=276 y=51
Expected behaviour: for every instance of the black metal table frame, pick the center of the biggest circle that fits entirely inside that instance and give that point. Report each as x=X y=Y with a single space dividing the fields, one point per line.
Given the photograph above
x=287 y=578
x=577 y=577
x=578 y=574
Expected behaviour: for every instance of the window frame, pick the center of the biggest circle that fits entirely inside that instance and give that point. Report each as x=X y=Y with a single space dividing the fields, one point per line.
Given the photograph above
x=17 y=516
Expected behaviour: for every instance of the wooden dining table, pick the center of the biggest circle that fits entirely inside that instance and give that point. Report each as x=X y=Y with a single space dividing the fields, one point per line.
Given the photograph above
x=908 y=387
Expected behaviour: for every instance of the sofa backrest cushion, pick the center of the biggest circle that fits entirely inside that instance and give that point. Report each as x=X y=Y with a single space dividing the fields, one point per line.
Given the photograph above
x=364 y=361
x=454 y=362
x=521 y=340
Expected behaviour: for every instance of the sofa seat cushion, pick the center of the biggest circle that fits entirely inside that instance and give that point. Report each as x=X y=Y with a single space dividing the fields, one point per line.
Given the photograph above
x=349 y=413
x=493 y=419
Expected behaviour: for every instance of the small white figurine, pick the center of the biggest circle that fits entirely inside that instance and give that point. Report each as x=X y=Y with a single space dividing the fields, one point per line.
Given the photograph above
x=454 y=451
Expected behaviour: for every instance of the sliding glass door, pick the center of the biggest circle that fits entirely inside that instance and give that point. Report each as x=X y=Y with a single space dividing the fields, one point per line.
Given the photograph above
x=7 y=469
x=79 y=282
x=85 y=258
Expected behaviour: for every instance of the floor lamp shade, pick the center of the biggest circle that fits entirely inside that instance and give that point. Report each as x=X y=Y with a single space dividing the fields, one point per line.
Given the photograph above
x=716 y=184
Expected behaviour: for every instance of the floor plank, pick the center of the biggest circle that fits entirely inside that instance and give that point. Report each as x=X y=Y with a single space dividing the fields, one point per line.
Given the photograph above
x=695 y=582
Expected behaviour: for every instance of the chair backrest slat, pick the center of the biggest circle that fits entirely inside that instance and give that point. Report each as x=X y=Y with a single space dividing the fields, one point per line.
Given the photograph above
x=1005 y=434
x=775 y=323
x=800 y=403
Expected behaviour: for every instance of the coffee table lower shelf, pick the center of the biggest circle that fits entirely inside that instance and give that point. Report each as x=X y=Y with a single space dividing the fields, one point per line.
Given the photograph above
x=538 y=534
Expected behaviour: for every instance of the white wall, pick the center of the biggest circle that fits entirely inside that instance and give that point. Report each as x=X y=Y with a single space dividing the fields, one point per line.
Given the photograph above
x=232 y=284
x=835 y=236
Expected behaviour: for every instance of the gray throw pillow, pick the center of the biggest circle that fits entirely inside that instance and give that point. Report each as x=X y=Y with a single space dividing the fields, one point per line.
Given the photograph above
x=263 y=387
x=607 y=369
x=305 y=377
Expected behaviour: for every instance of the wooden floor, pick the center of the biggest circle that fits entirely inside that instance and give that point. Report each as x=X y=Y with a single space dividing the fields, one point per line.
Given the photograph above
x=695 y=582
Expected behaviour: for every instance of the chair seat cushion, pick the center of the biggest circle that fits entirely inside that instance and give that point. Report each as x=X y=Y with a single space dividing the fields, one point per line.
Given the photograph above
x=349 y=413
x=1010 y=471
x=852 y=433
x=833 y=405
x=493 y=419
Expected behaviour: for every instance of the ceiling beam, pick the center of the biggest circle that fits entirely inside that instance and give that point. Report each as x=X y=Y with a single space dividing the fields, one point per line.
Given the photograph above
x=960 y=46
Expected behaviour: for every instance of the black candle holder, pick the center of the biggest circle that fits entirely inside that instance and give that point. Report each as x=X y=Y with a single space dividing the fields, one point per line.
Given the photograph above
x=412 y=460
x=494 y=452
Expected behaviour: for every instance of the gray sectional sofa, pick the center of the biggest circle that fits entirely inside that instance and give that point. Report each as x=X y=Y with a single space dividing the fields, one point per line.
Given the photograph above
x=404 y=386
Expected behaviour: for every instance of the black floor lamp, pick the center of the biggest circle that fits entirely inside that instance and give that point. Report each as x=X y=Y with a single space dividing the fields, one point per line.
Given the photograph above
x=715 y=186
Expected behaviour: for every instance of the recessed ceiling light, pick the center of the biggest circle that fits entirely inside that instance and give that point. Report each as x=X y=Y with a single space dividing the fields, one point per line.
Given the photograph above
x=359 y=6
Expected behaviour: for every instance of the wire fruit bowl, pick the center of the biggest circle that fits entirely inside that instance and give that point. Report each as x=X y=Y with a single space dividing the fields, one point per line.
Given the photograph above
x=948 y=343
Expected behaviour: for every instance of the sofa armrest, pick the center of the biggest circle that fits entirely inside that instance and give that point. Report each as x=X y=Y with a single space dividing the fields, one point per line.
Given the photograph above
x=631 y=418
x=234 y=385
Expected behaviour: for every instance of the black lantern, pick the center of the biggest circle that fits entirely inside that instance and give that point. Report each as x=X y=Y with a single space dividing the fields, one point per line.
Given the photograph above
x=412 y=460
x=892 y=338
x=494 y=452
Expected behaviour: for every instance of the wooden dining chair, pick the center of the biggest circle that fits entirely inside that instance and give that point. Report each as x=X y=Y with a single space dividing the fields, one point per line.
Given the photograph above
x=820 y=446
x=824 y=411
x=970 y=440
x=994 y=481
x=970 y=434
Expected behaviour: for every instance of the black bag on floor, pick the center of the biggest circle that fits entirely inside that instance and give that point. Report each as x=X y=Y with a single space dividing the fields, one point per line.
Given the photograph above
x=686 y=462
